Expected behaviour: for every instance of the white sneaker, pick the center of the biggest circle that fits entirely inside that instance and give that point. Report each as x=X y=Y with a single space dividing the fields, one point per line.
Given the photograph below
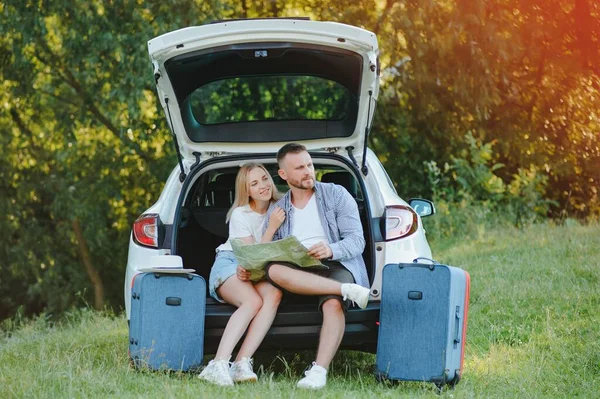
x=217 y=372
x=316 y=378
x=241 y=371
x=357 y=294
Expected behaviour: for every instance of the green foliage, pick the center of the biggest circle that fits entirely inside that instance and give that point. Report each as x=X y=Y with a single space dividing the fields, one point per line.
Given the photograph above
x=470 y=193
x=525 y=195
x=269 y=98
x=83 y=142
x=470 y=176
x=520 y=74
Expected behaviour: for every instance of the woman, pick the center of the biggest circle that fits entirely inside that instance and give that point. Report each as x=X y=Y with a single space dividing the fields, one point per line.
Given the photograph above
x=256 y=303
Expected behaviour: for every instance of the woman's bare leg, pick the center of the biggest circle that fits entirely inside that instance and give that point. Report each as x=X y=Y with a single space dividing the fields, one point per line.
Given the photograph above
x=243 y=295
x=271 y=297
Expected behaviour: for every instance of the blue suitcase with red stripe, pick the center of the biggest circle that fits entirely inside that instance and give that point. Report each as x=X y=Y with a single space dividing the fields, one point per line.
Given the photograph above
x=166 y=328
x=423 y=322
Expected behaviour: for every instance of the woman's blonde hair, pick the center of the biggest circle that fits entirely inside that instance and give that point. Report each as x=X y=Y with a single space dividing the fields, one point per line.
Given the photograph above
x=242 y=196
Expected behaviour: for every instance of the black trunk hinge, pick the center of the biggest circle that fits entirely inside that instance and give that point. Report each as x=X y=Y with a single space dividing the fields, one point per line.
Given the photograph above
x=351 y=155
x=197 y=161
x=179 y=159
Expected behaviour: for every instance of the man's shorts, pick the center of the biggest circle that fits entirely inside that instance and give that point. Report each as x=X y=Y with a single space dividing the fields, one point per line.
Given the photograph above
x=335 y=272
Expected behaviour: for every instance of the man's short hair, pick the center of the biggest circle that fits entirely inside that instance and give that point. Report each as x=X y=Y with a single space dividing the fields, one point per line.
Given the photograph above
x=291 y=148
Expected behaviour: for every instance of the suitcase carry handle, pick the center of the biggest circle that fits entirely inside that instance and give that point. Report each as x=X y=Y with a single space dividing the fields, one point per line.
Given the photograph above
x=184 y=275
x=430 y=266
x=458 y=329
x=417 y=259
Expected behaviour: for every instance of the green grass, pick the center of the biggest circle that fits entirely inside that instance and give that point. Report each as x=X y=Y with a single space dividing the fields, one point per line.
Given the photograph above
x=534 y=331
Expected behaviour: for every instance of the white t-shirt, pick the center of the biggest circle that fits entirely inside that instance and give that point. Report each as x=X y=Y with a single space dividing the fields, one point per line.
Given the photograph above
x=307 y=226
x=244 y=222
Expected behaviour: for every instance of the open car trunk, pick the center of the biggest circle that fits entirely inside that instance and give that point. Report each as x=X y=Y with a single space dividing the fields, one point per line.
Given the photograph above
x=250 y=86
x=202 y=229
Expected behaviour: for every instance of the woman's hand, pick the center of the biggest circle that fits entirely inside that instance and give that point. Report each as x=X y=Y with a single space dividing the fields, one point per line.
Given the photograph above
x=276 y=218
x=242 y=273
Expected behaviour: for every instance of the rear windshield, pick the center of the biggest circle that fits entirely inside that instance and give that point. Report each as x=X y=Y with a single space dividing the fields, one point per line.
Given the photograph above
x=269 y=98
x=267 y=92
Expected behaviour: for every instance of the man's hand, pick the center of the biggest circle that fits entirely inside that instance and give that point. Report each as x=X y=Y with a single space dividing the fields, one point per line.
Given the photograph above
x=242 y=273
x=320 y=251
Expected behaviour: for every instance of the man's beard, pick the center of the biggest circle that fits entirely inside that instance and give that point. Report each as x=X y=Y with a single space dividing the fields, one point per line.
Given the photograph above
x=298 y=184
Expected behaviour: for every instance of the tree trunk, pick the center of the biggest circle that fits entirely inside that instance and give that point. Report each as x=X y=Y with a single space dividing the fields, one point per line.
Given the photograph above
x=244 y=9
x=383 y=16
x=274 y=9
x=92 y=273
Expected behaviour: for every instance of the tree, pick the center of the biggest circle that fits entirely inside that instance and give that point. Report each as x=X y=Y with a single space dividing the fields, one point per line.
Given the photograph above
x=85 y=147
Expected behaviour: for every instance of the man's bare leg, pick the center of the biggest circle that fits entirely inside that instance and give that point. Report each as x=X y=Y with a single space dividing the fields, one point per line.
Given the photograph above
x=303 y=283
x=332 y=331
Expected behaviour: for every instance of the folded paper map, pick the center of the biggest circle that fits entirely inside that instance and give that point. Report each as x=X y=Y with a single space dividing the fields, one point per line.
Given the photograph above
x=254 y=257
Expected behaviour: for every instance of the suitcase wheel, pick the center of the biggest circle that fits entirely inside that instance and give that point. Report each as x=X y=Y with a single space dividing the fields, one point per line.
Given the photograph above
x=455 y=380
x=450 y=383
x=134 y=362
x=379 y=376
x=382 y=378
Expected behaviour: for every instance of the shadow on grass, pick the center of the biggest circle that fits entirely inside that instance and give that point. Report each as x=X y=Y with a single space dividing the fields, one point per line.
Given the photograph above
x=292 y=364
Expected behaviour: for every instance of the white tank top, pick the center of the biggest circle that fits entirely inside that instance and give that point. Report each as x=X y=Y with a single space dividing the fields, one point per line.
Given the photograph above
x=306 y=224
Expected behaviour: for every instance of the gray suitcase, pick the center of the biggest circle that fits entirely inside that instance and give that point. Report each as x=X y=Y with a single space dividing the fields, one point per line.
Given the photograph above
x=166 y=328
x=423 y=323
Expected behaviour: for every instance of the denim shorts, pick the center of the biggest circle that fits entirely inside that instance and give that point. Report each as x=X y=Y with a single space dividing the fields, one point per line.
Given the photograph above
x=224 y=267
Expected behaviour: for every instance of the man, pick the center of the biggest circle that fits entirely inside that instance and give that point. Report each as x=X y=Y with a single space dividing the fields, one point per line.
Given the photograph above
x=324 y=217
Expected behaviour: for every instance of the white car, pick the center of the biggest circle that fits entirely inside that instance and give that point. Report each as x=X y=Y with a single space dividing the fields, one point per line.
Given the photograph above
x=236 y=91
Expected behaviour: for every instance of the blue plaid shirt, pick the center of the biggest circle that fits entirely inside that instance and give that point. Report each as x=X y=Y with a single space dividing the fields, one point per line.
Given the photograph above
x=341 y=222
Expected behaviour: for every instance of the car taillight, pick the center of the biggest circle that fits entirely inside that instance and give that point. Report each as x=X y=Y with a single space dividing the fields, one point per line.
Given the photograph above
x=145 y=230
x=400 y=221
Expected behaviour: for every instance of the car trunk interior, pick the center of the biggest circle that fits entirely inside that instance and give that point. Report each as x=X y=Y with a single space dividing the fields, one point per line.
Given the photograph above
x=202 y=228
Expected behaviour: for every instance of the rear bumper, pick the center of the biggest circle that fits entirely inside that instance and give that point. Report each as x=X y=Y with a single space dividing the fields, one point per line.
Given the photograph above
x=297 y=326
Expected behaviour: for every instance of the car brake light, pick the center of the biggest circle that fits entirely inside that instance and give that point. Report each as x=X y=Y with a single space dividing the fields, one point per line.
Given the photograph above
x=145 y=230
x=400 y=221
